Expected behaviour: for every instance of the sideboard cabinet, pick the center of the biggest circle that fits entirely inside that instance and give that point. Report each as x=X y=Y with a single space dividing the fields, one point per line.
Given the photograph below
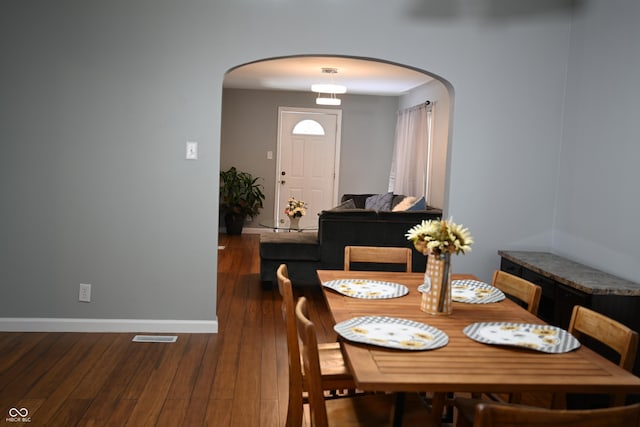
x=566 y=283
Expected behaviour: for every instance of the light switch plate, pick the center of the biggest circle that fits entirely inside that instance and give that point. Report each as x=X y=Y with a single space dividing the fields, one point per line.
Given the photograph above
x=84 y=294
x=192 y=150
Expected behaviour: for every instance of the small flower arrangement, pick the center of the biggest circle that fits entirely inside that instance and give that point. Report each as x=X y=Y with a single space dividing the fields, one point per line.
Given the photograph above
x=440 y=237
x=295 y=208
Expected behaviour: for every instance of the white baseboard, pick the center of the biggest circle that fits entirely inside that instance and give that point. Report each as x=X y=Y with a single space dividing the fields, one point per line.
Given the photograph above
x=41 y=324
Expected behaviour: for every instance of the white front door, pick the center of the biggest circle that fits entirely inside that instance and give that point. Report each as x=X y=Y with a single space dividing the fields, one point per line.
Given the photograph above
x=308 y=160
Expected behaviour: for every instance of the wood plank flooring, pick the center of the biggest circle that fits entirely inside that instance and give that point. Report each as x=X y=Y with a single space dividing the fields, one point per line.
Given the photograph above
x=237 y=377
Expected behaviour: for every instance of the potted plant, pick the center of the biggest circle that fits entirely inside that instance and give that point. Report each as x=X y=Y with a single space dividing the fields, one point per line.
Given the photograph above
x=240 y=196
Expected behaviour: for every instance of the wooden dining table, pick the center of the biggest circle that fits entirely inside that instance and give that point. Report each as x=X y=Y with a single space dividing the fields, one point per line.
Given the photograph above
x=463 y=365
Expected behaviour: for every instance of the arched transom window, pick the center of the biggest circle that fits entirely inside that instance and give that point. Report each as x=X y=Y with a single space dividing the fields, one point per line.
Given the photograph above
x=308 y=127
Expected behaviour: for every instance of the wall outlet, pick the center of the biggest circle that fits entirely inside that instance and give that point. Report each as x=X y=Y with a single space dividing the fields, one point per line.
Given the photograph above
x=84 y=294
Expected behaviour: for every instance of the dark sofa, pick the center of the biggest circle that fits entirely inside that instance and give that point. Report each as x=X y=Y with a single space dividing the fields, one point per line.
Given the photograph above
x=305 y=252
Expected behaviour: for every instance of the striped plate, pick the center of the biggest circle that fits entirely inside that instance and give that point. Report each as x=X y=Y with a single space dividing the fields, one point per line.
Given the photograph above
x=544 y=338
x=392 y=332
x=475 y=292
x=367 y=289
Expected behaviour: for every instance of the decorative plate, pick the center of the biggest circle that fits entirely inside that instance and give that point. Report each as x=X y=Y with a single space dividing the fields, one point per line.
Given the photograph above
x=472 y=292
x=367 y=289
x=544 y=338
x=475 y=292
x=392 y=332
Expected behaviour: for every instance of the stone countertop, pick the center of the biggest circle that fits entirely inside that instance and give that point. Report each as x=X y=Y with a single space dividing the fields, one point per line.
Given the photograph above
x=572 y=274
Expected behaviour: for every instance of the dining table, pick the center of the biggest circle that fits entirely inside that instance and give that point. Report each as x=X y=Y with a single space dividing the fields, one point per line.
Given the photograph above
x=462 y=364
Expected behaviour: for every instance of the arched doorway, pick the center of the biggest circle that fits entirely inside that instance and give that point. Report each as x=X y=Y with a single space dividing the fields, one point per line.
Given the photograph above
x=376 y=89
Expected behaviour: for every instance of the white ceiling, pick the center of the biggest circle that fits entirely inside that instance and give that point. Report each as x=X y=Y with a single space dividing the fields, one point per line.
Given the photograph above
x=360 y=76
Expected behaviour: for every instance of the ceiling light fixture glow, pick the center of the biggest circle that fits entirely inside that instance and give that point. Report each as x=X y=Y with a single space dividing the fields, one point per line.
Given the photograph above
x=330 y=90
x=325 y=100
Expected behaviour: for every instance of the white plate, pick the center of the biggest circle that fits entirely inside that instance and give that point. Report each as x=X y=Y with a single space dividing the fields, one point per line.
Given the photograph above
x=367 y=289
x=472 y=292
x=392 y=332
x=544 y=338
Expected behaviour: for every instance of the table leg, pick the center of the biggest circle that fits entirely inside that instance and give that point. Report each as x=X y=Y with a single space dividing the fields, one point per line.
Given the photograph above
x=397 y=412
x=437 y=408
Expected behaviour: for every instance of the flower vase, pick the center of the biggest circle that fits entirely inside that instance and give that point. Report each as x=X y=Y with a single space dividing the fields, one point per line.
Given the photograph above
x=436 y=299
x=294 y=223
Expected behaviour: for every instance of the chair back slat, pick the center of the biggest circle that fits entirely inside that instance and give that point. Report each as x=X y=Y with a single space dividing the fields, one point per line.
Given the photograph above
x=613 y=334
x=604 y=329
x=377 y=255
x=295 y=405
x=311 y=360
x=519 y=288
x=499 y=415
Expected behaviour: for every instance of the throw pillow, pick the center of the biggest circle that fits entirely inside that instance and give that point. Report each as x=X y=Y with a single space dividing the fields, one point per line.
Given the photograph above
x=379 y=202
x=397 y=198
x=419 y=205
x=405 y=204
x=347 y=204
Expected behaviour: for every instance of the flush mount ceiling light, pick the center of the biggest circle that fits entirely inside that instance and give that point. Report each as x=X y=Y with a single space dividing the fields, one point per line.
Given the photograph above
x=328 y=100
x=327 y=91
x=328 y=88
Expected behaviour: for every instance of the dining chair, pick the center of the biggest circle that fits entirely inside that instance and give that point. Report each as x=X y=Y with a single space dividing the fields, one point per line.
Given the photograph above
x=494 y=414
x=519 y=288
x=333 y=370
x=524 y=291
x=377 y=255
x=613 y=334
x=374 y=409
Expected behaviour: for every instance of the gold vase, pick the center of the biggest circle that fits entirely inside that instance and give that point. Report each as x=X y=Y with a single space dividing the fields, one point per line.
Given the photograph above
x=436 y=299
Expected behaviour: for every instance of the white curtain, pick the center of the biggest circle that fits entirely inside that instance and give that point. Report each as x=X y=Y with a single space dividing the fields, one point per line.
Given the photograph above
x=410 y=164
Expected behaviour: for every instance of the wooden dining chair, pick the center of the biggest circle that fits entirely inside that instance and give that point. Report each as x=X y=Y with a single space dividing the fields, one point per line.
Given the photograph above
x=333 y=370
x=523 y=290
x=377 y=255
x=374 y=409
x=493 y=414
x=618 y=337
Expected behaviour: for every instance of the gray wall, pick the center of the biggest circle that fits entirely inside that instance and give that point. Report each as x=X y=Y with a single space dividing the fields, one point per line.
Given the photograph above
x=250 y=129
x=98 y=99
x=598 y=201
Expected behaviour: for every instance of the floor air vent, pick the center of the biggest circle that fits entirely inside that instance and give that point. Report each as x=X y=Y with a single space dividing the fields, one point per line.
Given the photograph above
x=155 y=338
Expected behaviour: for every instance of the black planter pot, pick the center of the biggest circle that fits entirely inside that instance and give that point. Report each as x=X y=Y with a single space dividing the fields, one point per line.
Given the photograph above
x=233 y=223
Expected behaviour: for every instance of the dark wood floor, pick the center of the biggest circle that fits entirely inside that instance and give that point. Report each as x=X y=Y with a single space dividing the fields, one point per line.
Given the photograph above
x=237 y=377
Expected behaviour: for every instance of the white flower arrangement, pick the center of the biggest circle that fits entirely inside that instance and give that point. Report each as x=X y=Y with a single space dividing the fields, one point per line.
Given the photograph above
x=440 y=237
x=295 y=208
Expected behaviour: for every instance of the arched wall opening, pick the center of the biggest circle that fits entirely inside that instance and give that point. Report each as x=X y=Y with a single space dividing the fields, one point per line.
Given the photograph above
x=376 y=90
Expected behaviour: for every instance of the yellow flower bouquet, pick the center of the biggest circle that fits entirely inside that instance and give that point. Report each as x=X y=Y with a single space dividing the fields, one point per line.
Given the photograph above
x=440 y=237
x=295 y=208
